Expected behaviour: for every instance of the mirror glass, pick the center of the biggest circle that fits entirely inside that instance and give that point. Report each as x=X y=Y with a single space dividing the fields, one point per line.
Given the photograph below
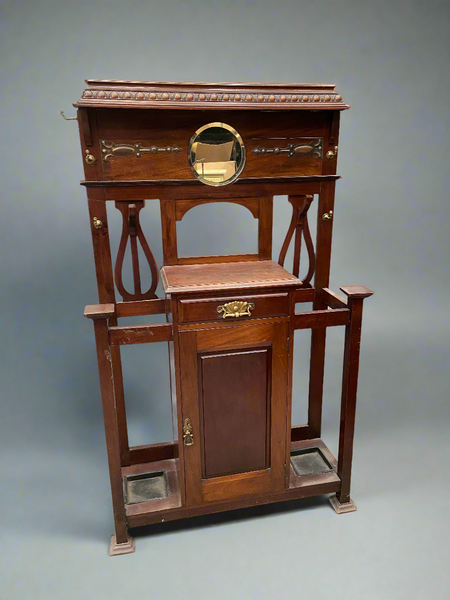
x=216 y=154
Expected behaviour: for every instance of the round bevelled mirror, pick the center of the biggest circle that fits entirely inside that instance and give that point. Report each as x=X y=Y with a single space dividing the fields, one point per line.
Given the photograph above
x=216 y=154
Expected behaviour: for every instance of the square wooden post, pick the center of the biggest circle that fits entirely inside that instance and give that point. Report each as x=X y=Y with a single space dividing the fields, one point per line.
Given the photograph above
x=121 y=542
x=356 y=294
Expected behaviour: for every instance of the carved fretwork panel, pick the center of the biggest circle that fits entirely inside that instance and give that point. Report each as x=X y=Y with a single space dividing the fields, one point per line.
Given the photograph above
x=132 y=231
x=299 y=225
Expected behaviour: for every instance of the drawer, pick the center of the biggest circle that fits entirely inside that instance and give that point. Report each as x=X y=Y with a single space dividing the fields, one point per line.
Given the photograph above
x=206 y=309
x=154 y=145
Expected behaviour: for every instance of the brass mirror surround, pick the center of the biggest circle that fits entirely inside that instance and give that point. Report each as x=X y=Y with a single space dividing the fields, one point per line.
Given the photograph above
x=216 y=154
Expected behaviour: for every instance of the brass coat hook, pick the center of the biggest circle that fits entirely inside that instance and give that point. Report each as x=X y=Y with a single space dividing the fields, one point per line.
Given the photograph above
x=67 y=118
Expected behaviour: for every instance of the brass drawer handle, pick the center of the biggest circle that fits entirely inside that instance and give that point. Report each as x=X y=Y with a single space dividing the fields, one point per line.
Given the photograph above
x=188 y=433
x=237 y=308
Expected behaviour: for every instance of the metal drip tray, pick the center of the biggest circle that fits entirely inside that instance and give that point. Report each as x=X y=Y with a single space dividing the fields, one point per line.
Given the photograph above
x=309 y=461
x=145 y=487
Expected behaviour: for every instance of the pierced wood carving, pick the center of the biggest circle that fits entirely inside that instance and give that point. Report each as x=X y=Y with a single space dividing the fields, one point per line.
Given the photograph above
x=314 y=148
x=299 y=225
x=113 y=150
x=131 y=229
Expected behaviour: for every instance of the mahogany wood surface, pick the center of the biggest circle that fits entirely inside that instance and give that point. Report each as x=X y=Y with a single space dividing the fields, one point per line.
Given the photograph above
x=230 y=378
x=203 y=278
x=140 y=334
x=142 y=307
x=210 y=95
x=356 y=295
x=111 y=428
x=175 y=129
x=317 y=319
x=197 y=310
x=233 y=339
x=234 y=393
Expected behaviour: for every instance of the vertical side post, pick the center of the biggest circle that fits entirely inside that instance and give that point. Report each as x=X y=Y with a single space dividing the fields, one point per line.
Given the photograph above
x=105 y=284
x=356 y=294
x=169 y=231
x=121 y=543
x=321 y=280
x=265 y=227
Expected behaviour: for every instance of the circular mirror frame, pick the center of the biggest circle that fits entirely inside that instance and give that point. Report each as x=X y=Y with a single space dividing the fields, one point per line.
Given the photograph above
x=241 y=165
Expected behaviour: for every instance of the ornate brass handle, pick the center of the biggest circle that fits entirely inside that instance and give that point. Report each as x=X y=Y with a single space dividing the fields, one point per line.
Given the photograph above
x=327 y=216
x=188 y=433
x=237 y=308
x=97 y=223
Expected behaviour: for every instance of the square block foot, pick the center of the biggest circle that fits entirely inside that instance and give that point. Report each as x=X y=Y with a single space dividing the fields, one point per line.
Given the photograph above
x=342 y=508
x=116 y=549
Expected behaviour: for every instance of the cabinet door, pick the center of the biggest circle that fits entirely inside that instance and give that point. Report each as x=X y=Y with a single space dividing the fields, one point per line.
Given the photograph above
x=234 y=393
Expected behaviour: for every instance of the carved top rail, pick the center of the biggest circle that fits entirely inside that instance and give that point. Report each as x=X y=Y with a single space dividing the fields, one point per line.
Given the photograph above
x=182 y=95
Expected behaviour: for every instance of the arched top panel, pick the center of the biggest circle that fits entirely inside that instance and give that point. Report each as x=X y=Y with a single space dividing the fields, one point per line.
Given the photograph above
x=183 y=206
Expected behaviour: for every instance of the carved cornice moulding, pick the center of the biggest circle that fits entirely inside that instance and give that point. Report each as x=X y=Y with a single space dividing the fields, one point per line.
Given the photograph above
x=179 y=95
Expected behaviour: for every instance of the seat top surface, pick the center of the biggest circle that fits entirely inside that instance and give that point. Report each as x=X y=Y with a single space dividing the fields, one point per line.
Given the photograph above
x=226 y=276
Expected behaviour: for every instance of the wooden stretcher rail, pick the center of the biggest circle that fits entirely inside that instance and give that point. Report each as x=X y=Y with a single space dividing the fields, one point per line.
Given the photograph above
x=141 y=307
x=140 y=334
x=305 y=295
x=317 y=319
x=333 y=300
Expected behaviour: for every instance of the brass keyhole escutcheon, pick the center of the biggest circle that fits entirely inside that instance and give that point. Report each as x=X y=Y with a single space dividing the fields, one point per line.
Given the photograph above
x=188 y=433
x=327 y=216
x=97 y=223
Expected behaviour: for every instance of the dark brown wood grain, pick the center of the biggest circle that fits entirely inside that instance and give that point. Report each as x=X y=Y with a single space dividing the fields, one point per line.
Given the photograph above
x=142 y=307
x=204 y=277
x=140 y=334
x=356 y=295
x=196 y=310
x=132 y=233
x=175 y=129
x=265 y=228
x=317 y=319
x=332 y=299
x=150 y=454
x=111 y=427
x=230 y=377
x=234 y=392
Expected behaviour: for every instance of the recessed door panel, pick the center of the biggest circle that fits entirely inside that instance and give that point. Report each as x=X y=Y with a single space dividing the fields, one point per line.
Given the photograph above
x=235 y=408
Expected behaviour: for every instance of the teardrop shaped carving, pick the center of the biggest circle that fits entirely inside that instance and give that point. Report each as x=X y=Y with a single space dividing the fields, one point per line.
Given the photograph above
x=299 y=225
x=131 y=230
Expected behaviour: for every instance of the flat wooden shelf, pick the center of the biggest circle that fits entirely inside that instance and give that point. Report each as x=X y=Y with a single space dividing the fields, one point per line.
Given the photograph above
x=238 y=275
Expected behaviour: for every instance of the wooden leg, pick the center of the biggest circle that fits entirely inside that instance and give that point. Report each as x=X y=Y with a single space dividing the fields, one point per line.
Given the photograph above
x=321 y=280
x=356 y=294
x=316 y=373
x=121 y=538
x=120 y=401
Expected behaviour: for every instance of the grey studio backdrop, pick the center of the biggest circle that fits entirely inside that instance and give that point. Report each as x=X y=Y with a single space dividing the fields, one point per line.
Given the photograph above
x=390 y=62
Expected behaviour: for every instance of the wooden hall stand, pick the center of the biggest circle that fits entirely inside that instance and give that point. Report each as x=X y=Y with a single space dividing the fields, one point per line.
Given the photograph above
x=230 y=320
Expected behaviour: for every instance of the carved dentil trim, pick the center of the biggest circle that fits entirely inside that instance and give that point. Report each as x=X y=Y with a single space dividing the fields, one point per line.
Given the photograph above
x=115 y=95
